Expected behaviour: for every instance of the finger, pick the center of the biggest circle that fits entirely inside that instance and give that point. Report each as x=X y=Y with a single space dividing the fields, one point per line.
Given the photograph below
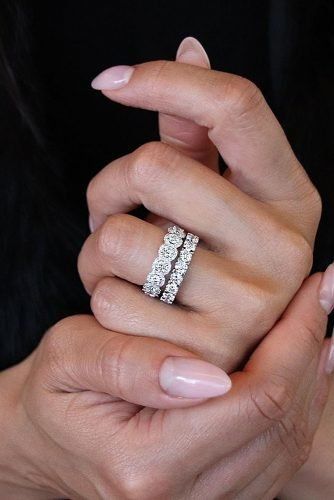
x=123 y=307
x=178 y=188
x=119 y=306
x=297 y=445
x=234 y=473
x=264 y=393
x=240 y=122
x=258 y=464
x=126 y=247
x=186 y=135
x=81 y=355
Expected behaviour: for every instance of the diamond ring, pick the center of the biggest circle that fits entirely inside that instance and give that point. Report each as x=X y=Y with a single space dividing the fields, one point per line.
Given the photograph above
x=180 y=268
x=163 y=263
x=178 y=248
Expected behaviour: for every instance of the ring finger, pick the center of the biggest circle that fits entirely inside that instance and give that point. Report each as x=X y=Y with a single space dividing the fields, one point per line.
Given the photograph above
x=125 y=247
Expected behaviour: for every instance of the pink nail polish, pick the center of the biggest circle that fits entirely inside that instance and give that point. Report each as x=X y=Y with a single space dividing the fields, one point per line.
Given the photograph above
x=193 y=378
x=326 y=293
x=330 y=359
x=113 y=78
x=191 y=51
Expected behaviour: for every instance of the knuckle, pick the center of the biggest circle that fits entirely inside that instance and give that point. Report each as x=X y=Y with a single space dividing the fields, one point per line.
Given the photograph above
x=259 y=300
x=294 y=435
x=150 y=161
x=312 y=331
x=92 y=194
x=56 y=338
x=298 y=252
x=113 y=236
x=242 y=97
x=304 y=454
x=102 y=299
x=273 y=400
x=143 y=485
x=99 y=300
x=111 y=362
x=317 y=204
x=159 y=72
x=291 y=251
x=59 y=338
x=54 y=347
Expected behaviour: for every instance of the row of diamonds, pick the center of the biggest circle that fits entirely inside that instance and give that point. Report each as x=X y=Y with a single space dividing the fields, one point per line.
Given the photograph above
x=163 y=263
x=180 y=268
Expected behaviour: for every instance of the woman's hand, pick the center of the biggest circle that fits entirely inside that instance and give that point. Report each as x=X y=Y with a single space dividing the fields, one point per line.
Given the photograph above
x=257 y=223
x=75 y=426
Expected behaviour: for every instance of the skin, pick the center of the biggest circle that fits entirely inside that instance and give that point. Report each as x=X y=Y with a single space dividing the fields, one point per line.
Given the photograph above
x=82 y=374
x=257 y=223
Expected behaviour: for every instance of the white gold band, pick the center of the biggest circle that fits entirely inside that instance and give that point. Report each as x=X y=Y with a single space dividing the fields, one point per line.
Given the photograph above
x=181 y=267
x=163 y=263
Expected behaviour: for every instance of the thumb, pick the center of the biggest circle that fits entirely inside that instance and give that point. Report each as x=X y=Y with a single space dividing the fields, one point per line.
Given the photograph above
x=185 y=135
x=144 y=371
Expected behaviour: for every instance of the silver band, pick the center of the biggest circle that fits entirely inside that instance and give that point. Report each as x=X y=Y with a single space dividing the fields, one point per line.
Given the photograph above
x=180 y=268
x=163 y=263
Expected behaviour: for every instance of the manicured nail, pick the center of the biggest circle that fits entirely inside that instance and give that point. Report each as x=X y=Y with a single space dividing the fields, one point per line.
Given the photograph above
x=193 y=378
x=191 y=51
x=113 y=78
x=326 y=293
x=330 y=359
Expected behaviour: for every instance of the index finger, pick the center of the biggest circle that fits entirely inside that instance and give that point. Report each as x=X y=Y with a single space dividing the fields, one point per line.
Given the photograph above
x=240 y=122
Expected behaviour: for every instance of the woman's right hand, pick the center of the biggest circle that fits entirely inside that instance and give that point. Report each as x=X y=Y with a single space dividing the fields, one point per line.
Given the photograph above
x=78 y=419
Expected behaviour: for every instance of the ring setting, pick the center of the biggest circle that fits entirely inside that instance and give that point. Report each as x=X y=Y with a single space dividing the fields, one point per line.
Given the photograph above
x=171 y=264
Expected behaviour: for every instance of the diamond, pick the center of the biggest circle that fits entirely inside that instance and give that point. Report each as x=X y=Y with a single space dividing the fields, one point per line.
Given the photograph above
x=172 y=288
x=177 y=277
x=155 y=278
x=167 y=297
x=151 y=290
x=162 y=265
x=189 y=245
x=177 y=230
x=181 y=265
x=185 y=256
x=173 y=239
x=168 y=251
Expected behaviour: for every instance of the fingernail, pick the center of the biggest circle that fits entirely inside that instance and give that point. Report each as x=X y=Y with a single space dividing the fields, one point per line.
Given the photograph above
x=113 y=78
x=330 y=360
x=191 y=51
x=326 y=293
x=193 y=378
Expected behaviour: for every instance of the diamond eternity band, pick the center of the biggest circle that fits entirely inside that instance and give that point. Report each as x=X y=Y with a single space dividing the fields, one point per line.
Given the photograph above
x=177 y=248
x=180 y=268
x=162 y=265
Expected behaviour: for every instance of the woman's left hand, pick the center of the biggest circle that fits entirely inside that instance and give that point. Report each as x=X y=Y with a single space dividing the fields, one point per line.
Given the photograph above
x=257 y=223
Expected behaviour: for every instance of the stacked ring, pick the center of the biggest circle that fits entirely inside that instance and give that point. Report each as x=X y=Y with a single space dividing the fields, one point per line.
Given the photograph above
x=162 y=265
x=180 y=268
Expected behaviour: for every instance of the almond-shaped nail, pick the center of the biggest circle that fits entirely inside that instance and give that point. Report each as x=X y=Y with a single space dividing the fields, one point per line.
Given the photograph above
x=193 y=378
x=113 y=78
x=191 y=51
x=326 y=292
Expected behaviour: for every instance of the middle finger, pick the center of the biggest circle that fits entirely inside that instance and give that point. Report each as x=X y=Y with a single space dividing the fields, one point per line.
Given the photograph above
x=178 y=188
